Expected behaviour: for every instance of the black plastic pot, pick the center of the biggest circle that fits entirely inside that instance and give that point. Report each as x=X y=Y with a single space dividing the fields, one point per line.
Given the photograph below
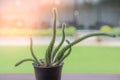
x=48 y=73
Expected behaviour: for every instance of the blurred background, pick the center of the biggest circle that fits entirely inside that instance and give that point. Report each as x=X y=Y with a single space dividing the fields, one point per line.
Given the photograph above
x=34 y=17
x=82 y=14
x=22 y=19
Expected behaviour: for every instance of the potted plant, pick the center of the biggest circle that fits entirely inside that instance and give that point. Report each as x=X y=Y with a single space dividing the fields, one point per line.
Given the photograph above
x=50 y=67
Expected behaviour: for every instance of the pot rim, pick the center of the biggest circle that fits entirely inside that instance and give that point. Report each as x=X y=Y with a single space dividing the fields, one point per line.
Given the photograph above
x=35 y=65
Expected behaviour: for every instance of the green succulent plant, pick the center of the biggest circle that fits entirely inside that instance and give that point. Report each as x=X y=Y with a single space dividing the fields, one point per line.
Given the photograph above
x=56 y=55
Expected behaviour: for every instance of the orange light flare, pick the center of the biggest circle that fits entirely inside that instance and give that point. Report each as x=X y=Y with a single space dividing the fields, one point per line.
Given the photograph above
x=25 y=14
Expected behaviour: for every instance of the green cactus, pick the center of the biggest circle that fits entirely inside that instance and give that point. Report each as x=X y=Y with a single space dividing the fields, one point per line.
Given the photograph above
x=49 y=51
x=24 y=60
x=55 y=56
x=63 y=56
x=60 y=44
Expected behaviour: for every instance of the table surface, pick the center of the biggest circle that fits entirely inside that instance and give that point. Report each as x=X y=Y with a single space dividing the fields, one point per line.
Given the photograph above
x=64 y=77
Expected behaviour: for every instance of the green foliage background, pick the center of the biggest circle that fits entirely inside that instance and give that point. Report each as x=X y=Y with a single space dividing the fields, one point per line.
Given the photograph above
x=83 y=59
